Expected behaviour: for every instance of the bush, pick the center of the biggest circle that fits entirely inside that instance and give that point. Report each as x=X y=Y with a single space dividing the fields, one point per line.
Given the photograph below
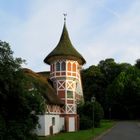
x=98 y=114
x=85 y=112
x=85 y=122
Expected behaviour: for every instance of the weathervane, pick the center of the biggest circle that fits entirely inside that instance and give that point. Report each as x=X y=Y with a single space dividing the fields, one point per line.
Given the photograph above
x=65 y=14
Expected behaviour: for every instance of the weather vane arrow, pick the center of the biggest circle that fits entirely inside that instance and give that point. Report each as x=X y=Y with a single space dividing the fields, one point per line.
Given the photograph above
x=65 y=14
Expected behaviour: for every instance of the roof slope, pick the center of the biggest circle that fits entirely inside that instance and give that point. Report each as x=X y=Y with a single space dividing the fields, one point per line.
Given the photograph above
x=65 y=49
x=41 y=83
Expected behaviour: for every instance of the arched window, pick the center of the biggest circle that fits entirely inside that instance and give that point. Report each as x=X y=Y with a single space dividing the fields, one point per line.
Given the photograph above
x=74 y=67
x=63 y=66
x=57 y=66
x=69 y=66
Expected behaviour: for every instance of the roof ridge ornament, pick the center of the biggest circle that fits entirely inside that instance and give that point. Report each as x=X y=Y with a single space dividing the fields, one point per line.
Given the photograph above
x=65 y=14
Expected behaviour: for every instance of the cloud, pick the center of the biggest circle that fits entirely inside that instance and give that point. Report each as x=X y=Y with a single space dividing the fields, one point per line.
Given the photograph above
x=34 y=38
x=97 y=30
x=119 y=40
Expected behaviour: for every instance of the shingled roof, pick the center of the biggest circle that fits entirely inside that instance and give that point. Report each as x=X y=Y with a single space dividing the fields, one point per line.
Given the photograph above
x=65 y=50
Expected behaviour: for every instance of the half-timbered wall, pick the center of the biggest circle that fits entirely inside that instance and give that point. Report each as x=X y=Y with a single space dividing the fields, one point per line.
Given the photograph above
x=53 y=109
x=65 y=68
x=65 y=75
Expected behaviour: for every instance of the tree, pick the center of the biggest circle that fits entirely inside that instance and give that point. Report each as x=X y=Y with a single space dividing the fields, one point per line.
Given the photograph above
x=124 y=94
x=18 y=107
x=96 y=80
x=105 y=81
x=93 y=83
x=137 y=63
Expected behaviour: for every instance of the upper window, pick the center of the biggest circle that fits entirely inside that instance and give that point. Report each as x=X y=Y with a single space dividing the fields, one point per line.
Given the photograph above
x=69 y=66
x=74 y=67
x=63 y=65
x=57 y=66
x=69 y=94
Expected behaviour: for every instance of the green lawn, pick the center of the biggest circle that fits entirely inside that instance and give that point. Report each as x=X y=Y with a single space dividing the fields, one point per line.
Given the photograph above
x=82 y=134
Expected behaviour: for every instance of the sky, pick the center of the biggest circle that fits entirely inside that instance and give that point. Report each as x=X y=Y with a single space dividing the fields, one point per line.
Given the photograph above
x=98 y=29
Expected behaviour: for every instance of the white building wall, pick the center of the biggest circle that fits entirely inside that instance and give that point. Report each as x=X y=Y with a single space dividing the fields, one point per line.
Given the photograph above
x=62 y=123
x=45 y=122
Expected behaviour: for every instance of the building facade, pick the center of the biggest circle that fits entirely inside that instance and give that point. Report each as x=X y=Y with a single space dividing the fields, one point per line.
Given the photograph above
x=65 y=66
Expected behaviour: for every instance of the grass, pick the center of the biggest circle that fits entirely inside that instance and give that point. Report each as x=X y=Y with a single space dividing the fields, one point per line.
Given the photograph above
x=82 y=134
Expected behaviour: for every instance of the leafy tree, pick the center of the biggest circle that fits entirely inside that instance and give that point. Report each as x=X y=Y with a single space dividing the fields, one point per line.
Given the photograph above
x=18 y=107
x=116 y=87
x=93 y=83
x=124 y=94
x=96 y=80
x=137 y=63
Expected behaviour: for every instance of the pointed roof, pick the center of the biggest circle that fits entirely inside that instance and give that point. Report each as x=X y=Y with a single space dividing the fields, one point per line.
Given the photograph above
x=65 y=49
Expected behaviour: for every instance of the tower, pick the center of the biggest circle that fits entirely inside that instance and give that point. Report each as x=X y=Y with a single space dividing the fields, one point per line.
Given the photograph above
x=65 y=65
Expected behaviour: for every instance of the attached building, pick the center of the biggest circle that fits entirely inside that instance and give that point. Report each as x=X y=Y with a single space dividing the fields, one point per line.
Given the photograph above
x=66 y=89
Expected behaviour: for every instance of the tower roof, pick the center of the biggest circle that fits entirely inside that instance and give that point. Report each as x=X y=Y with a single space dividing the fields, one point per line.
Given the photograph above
x=65 y=50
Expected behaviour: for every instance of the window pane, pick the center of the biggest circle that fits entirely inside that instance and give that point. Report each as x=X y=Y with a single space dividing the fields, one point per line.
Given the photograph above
x=69 y=94
x=63 y=66
x=57 y=66
x=74 y=67
x=69 y=66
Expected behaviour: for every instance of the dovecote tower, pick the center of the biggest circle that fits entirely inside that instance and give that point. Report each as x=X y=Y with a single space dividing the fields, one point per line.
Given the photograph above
x=65 y=65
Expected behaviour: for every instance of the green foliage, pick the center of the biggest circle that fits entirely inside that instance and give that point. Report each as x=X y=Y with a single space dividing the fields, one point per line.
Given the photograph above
x=124 y=94
x=137 y=63
x=18 y=107
x=86 y=112
x=85 y=122
x=116 y=87
x=99 y=114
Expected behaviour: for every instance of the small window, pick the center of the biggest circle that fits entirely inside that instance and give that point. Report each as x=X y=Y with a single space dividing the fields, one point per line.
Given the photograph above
x=53 y=120
x=69 y=66
x=74 y=67
x=57 y=66
x=63 y=66
x=69 y=94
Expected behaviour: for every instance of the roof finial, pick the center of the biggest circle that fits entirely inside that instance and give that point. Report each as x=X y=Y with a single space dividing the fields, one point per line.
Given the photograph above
x=65 y=14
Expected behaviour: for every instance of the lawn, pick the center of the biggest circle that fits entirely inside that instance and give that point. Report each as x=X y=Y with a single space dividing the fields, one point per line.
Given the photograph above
x=82 y=134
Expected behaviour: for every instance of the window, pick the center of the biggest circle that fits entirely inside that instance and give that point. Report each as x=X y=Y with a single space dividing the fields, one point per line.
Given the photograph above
x=74 y=67
x=53 y=120
x=69 y=66
x=69 y=94
x=57 y=66
x=63 y=66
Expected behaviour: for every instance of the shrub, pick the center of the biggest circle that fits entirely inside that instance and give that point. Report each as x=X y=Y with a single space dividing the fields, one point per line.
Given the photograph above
x=86 y=115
